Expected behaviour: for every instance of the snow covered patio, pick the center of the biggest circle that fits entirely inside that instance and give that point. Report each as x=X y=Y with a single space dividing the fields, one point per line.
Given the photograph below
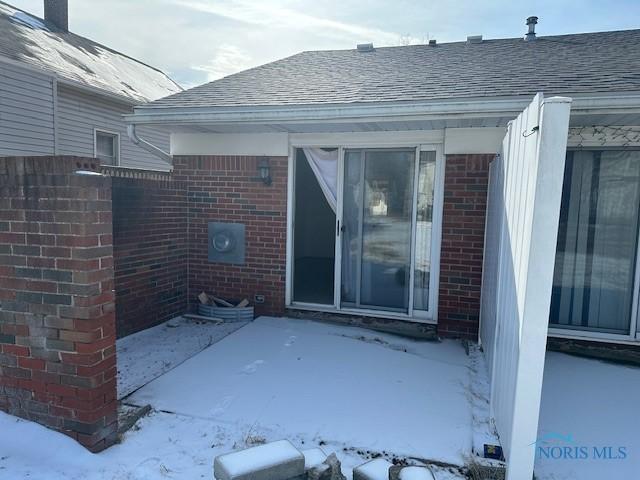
x=348 y=390
x=322 y=384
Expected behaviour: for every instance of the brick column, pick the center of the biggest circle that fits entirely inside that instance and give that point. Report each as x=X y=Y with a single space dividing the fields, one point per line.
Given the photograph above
x=57 y=321
x=465 y=204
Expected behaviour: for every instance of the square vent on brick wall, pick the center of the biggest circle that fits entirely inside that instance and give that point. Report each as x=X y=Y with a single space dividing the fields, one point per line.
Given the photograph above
x=226 y=243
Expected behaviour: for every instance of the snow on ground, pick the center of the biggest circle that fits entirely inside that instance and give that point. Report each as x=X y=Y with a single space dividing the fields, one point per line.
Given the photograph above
x=148 y=354
x=347 y=390
x=590 y=404
x=319 y=382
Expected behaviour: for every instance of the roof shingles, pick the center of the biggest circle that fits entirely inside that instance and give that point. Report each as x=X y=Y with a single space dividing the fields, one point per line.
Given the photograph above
x=581 y=63
x=28 y=39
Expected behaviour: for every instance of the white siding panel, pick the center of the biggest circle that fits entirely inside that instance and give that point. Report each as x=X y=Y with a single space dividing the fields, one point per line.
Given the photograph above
x=79 y=114
x=26 y=111
x=521 y=231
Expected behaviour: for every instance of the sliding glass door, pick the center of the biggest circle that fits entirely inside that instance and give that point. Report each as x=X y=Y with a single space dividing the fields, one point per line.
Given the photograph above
x=377 y=227
x=595 y=274
x=369 y=243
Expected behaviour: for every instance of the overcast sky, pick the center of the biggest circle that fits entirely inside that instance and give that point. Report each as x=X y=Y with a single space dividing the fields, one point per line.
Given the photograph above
x=196 y=41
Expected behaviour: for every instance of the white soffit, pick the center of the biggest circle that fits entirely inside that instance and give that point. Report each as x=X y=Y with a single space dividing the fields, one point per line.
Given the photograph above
x=271 y=144
x=472 y=140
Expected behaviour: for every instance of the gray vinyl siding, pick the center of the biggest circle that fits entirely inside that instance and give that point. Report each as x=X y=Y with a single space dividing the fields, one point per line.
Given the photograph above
x=26 y=111
x=80 y=113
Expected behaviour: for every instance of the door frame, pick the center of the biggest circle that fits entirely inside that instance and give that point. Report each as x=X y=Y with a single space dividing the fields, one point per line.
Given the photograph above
x=420 y=141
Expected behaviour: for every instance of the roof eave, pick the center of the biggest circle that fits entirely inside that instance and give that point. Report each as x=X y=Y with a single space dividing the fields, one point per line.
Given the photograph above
x=604 y=103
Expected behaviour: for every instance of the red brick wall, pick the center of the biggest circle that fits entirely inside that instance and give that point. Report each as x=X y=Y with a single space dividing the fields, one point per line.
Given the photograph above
x=465 y=202
x=57 y=322
x=226 y=189
x=149 y=249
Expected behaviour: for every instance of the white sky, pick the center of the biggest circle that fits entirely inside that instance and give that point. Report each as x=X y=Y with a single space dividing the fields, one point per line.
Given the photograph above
x=196 y=41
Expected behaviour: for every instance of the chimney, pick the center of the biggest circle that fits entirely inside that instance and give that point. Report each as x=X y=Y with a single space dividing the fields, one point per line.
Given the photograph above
x=531 y=34
x=56 y=12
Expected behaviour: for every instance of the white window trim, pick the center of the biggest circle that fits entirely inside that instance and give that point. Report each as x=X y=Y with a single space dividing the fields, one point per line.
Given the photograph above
x=108 y=132
x=418 y=141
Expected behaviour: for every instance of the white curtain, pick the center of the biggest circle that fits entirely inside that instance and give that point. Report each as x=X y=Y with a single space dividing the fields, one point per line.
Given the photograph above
x=325 y=167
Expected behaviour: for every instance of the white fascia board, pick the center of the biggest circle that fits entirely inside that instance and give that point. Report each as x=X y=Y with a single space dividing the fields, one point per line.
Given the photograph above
x=473 y=140
x=270 y=144
x=468 y=108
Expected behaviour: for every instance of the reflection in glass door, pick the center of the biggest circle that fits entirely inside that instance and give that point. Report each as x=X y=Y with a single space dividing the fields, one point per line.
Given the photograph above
x=378 y=210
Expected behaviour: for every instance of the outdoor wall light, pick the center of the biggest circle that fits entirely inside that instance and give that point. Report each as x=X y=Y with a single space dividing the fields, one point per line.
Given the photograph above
x=264 y=170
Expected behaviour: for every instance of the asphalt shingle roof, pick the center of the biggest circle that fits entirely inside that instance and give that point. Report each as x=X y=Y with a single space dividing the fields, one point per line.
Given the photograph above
x=581 y=63
x=28 y=39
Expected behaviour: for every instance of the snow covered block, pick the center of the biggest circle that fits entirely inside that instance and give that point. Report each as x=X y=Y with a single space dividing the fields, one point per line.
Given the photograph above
x=272 y=461
x=376 y=469
x=313 y=457
x=399 y=472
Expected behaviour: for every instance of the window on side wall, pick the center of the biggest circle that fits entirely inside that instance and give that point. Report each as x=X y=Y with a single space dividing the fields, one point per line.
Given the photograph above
x=107 y=147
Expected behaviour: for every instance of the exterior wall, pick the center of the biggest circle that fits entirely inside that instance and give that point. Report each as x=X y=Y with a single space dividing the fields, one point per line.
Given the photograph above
x=149 y=249
x=80 y=113
x=463 y=224
x=26 y=111
x=225 y=189
x=57 y=322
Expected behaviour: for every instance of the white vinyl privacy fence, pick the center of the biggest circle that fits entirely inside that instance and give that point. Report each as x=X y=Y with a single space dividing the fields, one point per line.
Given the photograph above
x=523 y=209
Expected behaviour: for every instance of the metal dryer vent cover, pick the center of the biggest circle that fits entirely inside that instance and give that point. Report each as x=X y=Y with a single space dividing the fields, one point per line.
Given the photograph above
x=226 y=243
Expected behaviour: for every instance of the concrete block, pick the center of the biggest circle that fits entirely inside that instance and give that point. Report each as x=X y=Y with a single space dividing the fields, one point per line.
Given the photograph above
x=376 y=469
x=313 y=457
x=272 y=461
x=400 y=472
x=329 y=469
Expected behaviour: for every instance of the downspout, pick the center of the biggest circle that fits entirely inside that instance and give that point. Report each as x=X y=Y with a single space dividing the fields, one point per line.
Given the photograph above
x=149 y=147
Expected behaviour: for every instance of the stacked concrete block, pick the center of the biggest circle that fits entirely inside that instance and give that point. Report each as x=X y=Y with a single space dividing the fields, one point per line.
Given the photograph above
x=277 y=461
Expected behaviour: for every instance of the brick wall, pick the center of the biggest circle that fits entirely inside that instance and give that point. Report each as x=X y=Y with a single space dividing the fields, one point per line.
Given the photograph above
x=465 y=202
x=149 y=249
x=57 y=322
x=225 y=189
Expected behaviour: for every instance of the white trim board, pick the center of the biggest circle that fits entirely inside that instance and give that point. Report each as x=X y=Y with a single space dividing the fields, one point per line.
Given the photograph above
x=271 y=144
x=456 y=141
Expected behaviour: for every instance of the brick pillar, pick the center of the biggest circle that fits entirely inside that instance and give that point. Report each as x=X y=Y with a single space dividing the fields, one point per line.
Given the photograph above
x=465 y=204
x=57 y=321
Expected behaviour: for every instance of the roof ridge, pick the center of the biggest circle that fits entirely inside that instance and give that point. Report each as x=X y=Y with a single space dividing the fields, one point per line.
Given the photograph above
x=414 y=45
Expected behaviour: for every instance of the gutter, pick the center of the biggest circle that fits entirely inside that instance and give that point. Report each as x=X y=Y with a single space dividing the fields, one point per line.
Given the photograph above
x=406 y=111
x=148 y=146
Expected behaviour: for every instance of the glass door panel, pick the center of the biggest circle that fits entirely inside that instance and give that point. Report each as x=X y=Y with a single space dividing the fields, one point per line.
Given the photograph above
x=424 y=228
x=597 y=242
x=377 y=218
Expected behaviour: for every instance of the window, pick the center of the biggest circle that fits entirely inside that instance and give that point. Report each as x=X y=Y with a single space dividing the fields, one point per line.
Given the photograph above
x=593 y=284
x=107 y=147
